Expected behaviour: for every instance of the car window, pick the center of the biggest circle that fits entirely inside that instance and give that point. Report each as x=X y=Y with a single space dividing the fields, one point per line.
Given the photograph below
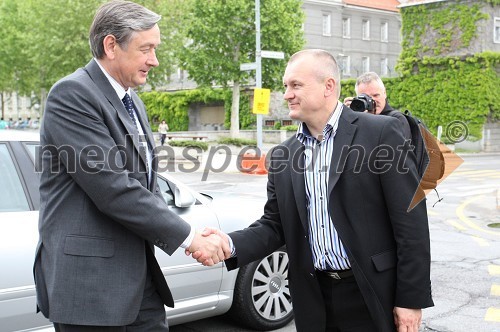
x=12 y=196
x=31 y=147
x=166 y=191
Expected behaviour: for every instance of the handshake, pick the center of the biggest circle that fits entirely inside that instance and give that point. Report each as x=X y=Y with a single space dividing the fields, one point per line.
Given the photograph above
x=209 y=247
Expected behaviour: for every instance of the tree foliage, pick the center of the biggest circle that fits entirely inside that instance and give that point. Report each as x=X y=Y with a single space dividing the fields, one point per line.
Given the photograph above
x=222 y=36
x=43 y=41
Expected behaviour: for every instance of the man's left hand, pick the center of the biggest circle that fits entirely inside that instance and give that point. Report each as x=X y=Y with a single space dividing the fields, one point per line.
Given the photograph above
x=407 y=320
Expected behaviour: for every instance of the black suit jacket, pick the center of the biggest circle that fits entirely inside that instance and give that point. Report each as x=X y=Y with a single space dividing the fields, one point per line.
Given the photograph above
x=369 y=195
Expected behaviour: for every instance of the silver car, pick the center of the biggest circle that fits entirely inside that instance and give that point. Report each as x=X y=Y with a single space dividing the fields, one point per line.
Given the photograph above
x=257 y=294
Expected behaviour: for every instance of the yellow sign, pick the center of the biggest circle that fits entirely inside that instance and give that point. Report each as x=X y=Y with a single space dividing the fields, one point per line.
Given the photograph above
x=261 y=99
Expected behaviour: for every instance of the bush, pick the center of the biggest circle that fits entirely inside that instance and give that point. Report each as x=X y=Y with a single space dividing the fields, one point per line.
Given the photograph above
x=290 y=128
x=277 y=125
x=189 y=143
x=237 y=141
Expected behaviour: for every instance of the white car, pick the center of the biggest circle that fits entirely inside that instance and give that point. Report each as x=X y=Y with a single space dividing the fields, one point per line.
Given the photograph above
x=257 y=294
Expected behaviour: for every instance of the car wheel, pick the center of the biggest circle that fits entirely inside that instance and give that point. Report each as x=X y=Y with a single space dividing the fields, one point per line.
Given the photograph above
x=262 y=298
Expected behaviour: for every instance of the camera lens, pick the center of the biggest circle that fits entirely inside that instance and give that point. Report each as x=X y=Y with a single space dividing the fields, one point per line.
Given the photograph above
x=358 y=105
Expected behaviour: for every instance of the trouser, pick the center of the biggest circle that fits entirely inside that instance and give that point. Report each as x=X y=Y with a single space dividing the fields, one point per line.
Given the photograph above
x=151 y=317
x=346 y=310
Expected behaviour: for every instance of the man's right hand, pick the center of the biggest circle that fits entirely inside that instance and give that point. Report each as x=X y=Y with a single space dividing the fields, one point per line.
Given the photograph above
x=209 y=248
x=347 y=101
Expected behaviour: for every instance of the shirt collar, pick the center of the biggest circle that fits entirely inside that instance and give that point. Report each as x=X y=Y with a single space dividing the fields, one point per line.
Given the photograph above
x=120 y=91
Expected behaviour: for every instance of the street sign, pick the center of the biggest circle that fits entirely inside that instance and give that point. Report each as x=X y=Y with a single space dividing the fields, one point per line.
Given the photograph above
x=272 y=54
x=248 y=66
x=261 y=99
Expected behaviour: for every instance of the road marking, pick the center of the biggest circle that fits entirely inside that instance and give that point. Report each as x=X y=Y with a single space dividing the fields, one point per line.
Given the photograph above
x=466 y=221
x=457 y=225
x=492 y=315
x=482 y=242
x=495 y=290
x=494 y=270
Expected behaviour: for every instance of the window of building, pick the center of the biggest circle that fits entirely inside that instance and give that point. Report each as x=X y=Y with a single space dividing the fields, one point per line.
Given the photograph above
x=345 y=65
x=366 y=29
x=269 y=123
x=384 y=66
x=365 y=62
x=384 y=32
x=346 y=27
x=496 y=31
x=286 y=122
x=327 y=26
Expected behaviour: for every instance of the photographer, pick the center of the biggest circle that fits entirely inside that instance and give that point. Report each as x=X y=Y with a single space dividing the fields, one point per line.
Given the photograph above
x=372 y=98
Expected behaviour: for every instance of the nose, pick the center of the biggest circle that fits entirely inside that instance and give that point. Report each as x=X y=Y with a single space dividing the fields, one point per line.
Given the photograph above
x=288 y=94
x=152 y=59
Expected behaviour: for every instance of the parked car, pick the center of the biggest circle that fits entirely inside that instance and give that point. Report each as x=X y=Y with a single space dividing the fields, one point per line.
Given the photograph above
x=257 y=294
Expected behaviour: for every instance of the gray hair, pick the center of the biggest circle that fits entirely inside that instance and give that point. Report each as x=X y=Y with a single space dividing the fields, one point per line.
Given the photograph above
x=327 y=65
x=120 y=19
x=367 y=78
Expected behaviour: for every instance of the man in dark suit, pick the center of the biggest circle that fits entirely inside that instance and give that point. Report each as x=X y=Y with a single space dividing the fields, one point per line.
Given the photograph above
x=338 y=194
x=101 y=209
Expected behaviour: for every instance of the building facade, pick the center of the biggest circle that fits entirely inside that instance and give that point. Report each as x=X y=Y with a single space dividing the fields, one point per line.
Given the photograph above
x=488 y=29
x=364 y=35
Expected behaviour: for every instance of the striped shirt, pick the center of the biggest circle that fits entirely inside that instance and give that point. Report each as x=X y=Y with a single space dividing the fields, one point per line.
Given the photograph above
x=327 y=248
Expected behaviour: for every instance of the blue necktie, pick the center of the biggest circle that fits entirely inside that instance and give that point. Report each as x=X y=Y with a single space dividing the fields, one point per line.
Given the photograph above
x=129 y=106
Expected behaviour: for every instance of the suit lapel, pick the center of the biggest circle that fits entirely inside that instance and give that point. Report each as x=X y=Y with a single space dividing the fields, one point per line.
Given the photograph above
x=109 y=93
x=343 y=139
x=143 y=119
x=296 y=167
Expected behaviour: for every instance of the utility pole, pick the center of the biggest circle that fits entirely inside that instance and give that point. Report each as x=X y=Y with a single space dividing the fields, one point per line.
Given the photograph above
x=258 y=70
x=257 y=66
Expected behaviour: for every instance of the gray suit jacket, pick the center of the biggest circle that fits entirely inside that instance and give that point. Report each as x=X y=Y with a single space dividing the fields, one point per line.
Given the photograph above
x=99 y=214
x=369 y=194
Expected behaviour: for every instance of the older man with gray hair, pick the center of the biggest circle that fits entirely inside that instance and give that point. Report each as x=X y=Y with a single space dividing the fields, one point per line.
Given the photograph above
x=101 y=209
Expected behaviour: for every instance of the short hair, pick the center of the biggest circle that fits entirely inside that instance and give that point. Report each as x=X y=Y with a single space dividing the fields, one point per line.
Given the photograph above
x=120 y=19
x=327 y=66
x=367 y=78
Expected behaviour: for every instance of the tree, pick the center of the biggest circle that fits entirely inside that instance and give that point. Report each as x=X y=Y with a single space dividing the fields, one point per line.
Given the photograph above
x=43 y=41
x=222 y=36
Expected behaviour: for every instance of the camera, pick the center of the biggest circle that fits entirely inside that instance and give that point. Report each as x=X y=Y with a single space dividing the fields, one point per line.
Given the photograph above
x=362 y=103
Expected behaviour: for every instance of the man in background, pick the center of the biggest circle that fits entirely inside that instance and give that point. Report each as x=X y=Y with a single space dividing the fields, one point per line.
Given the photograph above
x=372 y=85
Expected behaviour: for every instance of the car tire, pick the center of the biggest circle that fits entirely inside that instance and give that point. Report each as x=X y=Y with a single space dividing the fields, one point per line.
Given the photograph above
x=262 y=298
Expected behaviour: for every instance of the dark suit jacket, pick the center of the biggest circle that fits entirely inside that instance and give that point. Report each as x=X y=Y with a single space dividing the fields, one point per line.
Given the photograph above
x=388 y=247
x=99 y=214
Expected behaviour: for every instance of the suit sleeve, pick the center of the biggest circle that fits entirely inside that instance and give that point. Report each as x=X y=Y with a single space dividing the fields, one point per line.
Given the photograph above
x=411 y=229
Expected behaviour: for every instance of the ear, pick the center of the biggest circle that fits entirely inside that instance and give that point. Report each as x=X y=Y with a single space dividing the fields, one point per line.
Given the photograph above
x=110 y=46
x=330 y=85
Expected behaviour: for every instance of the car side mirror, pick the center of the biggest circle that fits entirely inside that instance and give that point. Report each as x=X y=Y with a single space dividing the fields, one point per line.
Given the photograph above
x=183 y=197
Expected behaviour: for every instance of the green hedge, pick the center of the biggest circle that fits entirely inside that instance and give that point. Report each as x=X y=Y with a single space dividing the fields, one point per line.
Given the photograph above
x=189 y=144
x=237 y=141
x=173 y=107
